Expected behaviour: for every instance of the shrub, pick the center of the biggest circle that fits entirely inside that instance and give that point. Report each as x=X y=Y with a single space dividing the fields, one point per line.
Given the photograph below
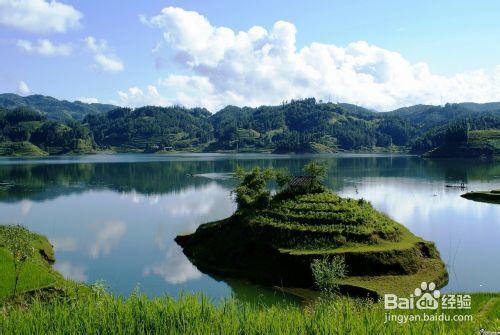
x=252 y=192
x=17 y=240
x=328 y=272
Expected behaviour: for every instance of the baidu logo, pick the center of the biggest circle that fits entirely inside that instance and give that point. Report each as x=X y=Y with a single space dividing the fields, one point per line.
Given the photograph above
x=427 y=297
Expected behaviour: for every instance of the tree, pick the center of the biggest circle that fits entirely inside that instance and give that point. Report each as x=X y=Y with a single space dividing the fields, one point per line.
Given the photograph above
x=252 y=192
x=17 y=240
x=457 y=133
x=282 y=177
x=316 y=170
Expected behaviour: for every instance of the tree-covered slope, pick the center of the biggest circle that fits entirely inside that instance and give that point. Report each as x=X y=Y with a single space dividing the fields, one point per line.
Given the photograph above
x=299 y=126
x=151 y=128
x=465 y=143
x=306 y=125
x=303 y=125
x=26 y=132
x=54 y=109
x=426 y=117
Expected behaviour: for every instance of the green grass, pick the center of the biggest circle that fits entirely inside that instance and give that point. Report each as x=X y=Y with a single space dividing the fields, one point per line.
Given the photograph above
x=432 y=270
x=104 y=314
x=407 y=241
x=34 y=275
x=35 y=272
x=326 y=212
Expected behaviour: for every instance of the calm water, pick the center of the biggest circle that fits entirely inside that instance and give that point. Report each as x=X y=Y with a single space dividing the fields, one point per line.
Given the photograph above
x=115 y=217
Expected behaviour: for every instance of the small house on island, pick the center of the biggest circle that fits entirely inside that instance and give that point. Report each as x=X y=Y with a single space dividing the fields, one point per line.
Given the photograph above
x=300 y=182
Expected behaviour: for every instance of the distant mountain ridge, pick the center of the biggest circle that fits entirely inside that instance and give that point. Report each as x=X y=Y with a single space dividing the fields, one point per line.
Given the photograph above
x=54 y=109
x=298 y=126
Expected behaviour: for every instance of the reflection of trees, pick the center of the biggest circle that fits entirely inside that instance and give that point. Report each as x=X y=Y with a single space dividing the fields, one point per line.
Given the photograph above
x=256 y=294
x=47 y=181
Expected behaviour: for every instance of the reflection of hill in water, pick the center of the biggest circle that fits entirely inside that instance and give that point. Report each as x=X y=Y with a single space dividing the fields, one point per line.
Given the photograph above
x=44 y=181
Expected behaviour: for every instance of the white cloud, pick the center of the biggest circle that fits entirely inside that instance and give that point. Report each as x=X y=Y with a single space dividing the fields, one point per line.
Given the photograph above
x=23 y=89
x=39 y=16
x=45 y=48
x=108 y=235
x=107 y=60
x=262 y=66
x=88 y=100
x=109 y=63
x=135 y=97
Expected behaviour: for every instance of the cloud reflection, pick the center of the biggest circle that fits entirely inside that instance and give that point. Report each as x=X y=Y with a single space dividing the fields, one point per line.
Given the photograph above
x=108 y=236
x=65 y=244
x=175 y=268
x=413 y=201
x=196 y=201
x=26 y=206
x=70 y=271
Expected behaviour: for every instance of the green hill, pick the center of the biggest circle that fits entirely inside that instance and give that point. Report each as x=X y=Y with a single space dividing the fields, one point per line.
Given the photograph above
x=148 y=127
x=479 y=143
x=54 y=109
x=24 y=132
x=303 y=125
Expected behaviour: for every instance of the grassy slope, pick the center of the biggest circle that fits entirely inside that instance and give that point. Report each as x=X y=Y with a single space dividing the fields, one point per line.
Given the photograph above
x=35 y=273
x=37 y=276
x=20 y=149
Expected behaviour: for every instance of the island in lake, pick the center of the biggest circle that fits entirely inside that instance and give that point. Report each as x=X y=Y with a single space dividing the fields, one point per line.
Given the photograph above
x=274 y=239
x=492 y=196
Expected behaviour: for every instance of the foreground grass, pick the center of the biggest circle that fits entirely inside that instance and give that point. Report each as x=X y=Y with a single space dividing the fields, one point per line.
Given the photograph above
x=104 y=314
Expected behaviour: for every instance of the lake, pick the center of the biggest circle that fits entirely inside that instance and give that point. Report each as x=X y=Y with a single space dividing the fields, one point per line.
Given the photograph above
x=114 y=217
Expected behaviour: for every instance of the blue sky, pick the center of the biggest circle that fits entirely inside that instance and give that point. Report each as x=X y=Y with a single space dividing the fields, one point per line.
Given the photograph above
x=96 y=49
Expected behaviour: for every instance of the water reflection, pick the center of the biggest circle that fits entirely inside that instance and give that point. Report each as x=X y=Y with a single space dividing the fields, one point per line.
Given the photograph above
x=108 y=235
x=175 y=267
x=71 y=271
x=64 y=244
x=115 y=217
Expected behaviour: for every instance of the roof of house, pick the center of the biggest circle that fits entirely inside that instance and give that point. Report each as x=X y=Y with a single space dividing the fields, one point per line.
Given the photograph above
x=300 y=181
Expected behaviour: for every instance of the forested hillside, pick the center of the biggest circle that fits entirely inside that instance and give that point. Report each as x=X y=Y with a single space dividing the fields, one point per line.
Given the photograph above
x=27 y=132
x=54 y=109
x=309 y=126
x=298 y=126
x=151 y=128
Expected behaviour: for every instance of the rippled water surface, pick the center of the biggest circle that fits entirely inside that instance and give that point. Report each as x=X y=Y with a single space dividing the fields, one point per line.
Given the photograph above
x=115 y=217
